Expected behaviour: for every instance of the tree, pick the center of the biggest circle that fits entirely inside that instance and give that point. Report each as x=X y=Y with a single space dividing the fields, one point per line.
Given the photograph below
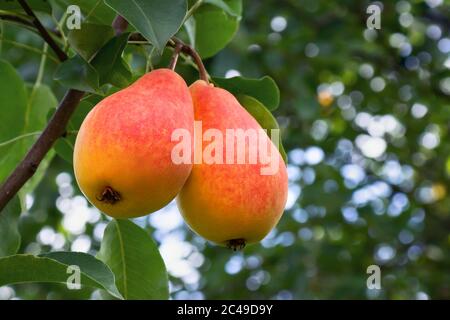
x=363 y=115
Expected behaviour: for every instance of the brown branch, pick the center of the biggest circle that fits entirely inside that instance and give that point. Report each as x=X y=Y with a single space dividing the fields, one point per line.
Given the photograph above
x=55 y=129
x=62 y=56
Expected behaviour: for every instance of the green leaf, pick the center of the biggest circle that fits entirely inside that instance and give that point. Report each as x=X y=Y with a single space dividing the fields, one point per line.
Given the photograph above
x=12 y=109
x=135 y=260
x=40 y=101
x=232 y=7
x=95 y=11
x=214 y=29
x=109 y=64
x=64 y=145
x=189 y=25
x=78 y=74
x=263 y=89
x=156 y=20
x=9 y=231
x=89 y=39
x=53 y=267
x=264 y=117
x=36 y=5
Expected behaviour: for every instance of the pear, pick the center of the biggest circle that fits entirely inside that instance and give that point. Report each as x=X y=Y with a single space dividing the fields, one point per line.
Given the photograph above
x=122 y=154
x=231 y=203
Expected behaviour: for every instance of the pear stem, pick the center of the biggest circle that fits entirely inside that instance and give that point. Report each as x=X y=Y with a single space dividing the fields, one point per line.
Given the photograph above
x=194 y=55
x=176 y=54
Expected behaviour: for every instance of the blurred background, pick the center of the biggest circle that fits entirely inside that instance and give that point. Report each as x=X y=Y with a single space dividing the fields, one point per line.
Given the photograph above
x=365 y=118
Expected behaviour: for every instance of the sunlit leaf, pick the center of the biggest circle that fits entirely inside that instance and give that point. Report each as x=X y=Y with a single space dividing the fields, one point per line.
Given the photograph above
x=54 y=267
x=135 y=260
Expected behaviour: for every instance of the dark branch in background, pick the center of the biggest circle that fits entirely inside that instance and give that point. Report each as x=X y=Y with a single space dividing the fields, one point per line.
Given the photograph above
x=55 y=128
x=44 y=33
x=24 y=22
x=17 y=19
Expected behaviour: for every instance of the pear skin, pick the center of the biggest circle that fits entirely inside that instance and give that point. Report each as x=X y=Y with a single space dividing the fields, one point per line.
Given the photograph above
x=230 y=204
x=122 y=154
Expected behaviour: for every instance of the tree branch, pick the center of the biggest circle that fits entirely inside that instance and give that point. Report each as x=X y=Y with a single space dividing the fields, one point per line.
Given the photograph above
x=62 y=56
x=55 y=128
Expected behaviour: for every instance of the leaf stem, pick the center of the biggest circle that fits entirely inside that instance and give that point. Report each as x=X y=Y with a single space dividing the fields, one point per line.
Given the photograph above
x=194 y=55
x=30 y=134
x=191 y=11
x=176 y=53
x=41 y=66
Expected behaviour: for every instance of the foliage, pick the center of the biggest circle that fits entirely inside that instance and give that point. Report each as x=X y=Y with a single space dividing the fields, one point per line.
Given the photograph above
x=364 y=116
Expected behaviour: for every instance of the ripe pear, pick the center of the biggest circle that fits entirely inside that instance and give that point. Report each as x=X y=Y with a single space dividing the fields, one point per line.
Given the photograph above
x=122 y=155
x=231 y=203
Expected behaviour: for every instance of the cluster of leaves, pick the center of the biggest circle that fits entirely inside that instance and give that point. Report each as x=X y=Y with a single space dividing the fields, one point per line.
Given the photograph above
x=327 y=238
x=128 y=264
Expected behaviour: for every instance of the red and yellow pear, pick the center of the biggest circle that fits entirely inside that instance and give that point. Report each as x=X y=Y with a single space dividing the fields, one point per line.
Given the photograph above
x=122 y=155
x=231 y=203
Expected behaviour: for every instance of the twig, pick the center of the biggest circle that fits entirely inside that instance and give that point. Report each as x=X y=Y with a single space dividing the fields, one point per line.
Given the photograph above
x=17 y=19
x=44 y=33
